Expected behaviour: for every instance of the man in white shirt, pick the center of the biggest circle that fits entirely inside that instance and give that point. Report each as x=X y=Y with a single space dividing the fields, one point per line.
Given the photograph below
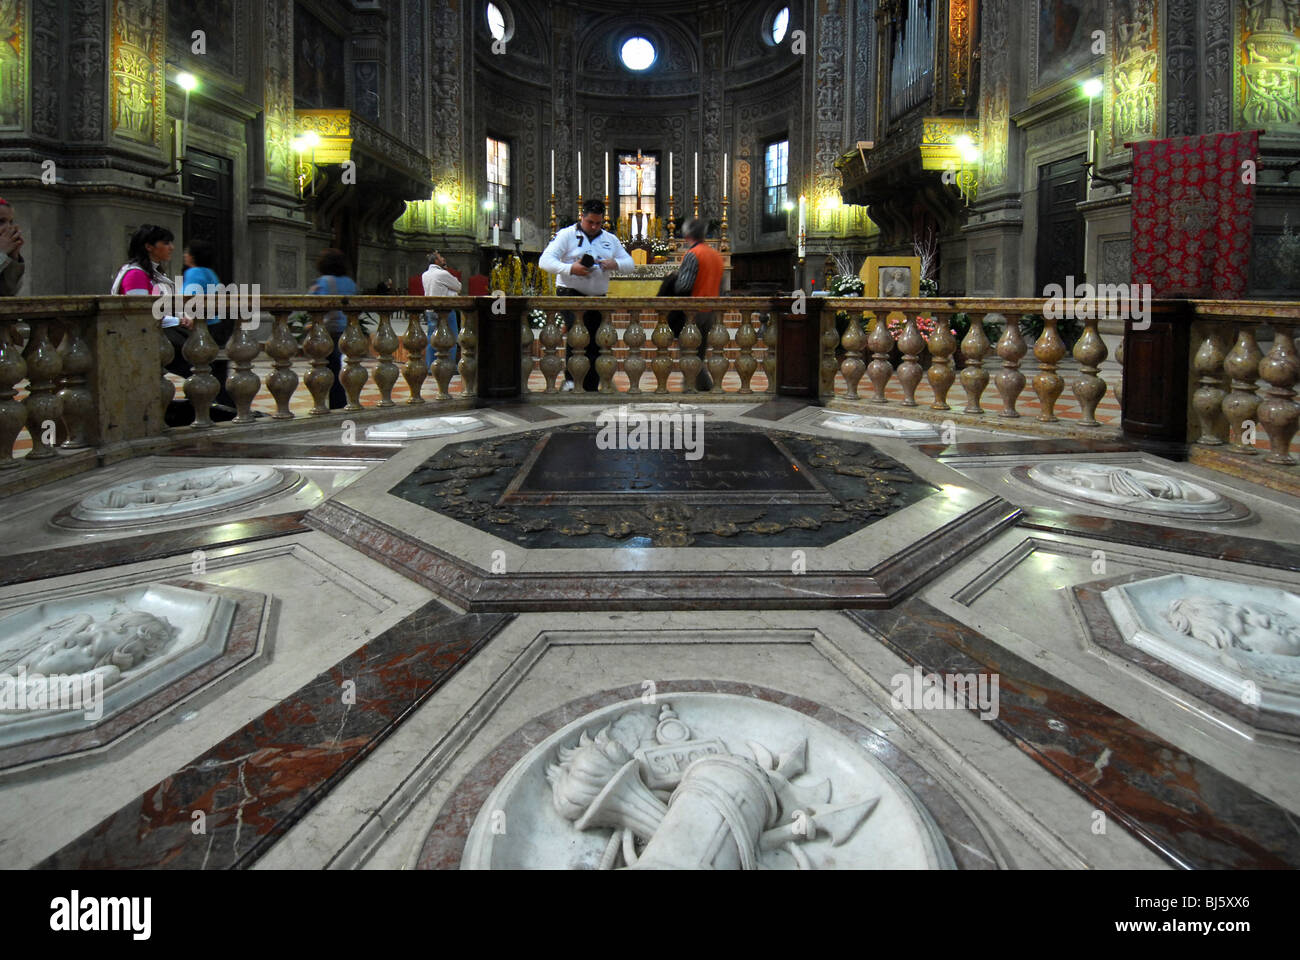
x=586 y=240
x=440 y=282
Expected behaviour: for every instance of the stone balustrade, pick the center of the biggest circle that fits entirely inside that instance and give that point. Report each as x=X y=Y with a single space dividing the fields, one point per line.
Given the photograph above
x=87 y=373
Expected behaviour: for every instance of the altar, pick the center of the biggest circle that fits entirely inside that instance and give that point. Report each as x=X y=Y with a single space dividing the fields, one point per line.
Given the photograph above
x=644 y=281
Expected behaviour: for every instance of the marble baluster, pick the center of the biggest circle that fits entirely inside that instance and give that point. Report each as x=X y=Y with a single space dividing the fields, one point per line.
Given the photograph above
x=974 y=378
x=829 y=365
x=881 y=343
x=386 y=372
x=414 y=342
x=443 y=341
x=1240 y=406
x=1278 y=413
x=201 y=387
x=689 y=343
x=468 y=365
x=1011 y=348
x=13 y=369
x=43 y=404
x=526 y=340
x=579 y=363
x=166 y=388
x=634 y=336
x=606 y=363
x=355 y=346
x=910 y=343
x=853 y=366
x=941 y=374
x=1089 y=388
x=1207 y=401
x=317 y=345
x=746 y=337
x=1048 y=384
x=1119 y=383
x=281 y=347
x=719 y=339
x=771 y=334
x=243 y=383
x=662 y=364
x=78 y=401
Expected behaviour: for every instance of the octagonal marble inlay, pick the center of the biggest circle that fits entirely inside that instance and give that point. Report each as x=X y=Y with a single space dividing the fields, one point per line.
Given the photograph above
x=879 y=426
x=702 y=780
x=1239 y=638
x=421 y=427
x=123 y=644
x=181 y=493
x=1123 y=488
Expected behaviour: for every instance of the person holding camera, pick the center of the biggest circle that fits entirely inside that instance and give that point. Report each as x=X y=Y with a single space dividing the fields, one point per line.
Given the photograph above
x=582 y=257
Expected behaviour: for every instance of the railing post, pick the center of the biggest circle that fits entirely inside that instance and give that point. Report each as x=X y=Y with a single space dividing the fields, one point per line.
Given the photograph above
x=1242 y=364
x=386 y=372
x=13 y=368
x=1207 y=401
x=1009 y=381
x=43 y=403
x=634 y=338
x=414 y=371
x=771 y=358
x=606 y=364
x=526 y=340
x=281 y=347
x=243 y=384
x=468 y=365
x=717 y=362
x=689 y=344
x=579 y=363
x=853 y=366
x=974 y=378
x=1278 y=412
x=941 y=374
x=78 y=402
x=443 y=341
x=166 y=389
x=318 y=345
x=746 y=337
x=201 y=387
x=911 y=343
x=1048 y=384
x=354 y=345
x=1089 y=388
x=879 y=370
x=662 y=364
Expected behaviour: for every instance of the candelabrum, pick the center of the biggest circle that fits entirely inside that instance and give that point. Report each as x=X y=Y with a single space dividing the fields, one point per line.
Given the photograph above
x=607 y=211
x=696 y=214
x=579 y=206
x=672 y=216
x=553 y=227
x=723 y=245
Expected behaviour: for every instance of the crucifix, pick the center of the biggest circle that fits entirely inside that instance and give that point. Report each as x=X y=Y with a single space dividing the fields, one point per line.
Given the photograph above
x=639 y=220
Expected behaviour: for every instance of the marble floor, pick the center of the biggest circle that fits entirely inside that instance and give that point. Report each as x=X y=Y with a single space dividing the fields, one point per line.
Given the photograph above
x=495 y=642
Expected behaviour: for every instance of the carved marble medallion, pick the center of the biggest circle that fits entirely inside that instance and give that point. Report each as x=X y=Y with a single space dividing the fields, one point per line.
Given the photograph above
x=702 y=781
x=185 y=492
x=1241 y=639
x=880 y=426
x=1123 y=488
x=419 y=428
x=125 y=644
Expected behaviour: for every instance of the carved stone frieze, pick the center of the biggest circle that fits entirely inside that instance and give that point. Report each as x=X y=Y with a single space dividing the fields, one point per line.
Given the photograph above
x=995 y=93
x=136 y=80
x=47 y=67
x=1269 y=60
x=1134 y=74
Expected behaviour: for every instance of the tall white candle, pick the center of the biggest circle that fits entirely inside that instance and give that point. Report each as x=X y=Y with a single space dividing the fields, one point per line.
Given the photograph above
x=670 y=172
x=496 y=234
x=607 y=173
x=519 y=229
x=725 y=171
x=552 y=173
x=579 y=173
x=697 y=174
x=803 y=224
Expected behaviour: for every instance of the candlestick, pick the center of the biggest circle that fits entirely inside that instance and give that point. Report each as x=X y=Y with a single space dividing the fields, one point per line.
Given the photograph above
x=553 y=227
x=723 y=245
x=519 y=229
x=579 y=205
x=725 y=158
x=696 y=207
x=607 y=209
x=552 y=173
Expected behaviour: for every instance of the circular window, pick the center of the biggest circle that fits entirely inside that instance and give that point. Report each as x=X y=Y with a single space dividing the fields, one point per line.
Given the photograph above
x=637 y=54
x=500 y=22
x=780 y=24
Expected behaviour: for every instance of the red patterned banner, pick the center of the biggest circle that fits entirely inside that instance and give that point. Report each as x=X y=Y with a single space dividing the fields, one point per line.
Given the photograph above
x=1193 y=209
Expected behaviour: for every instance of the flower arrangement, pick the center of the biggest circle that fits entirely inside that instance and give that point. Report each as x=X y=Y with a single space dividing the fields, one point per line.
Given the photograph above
x=926 y=325
x=845 y=285
x=660 y=247
x=518 y=279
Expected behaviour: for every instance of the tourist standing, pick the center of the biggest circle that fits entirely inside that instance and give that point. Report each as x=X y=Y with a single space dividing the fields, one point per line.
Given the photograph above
x=334 y=282
x=582 y=257
x=145 y=274
x=11 y=260
x=700 y=275
x=440 y=282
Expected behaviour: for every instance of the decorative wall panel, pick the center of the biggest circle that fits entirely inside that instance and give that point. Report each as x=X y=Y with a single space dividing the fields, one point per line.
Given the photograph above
x=137 y=73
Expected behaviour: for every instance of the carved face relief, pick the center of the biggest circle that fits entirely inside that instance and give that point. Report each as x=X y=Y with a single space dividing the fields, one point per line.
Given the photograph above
x=1225 y=626
x=1128 y=489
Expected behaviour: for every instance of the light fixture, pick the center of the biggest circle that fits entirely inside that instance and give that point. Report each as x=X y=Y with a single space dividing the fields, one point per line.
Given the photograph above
x=306 y=142
x=637 y=54
x=1092 y=87
x=443 y=198
x=187 y=81
x=488 y=205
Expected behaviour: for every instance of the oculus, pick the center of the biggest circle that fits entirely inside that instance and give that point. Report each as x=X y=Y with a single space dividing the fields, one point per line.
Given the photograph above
x=637 y=53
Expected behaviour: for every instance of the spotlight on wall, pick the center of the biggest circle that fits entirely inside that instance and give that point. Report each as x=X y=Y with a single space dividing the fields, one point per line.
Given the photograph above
x=1092 y=88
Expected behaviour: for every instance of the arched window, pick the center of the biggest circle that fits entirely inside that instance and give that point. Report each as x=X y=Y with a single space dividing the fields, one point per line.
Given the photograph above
x=780 y=24
x=496 y=21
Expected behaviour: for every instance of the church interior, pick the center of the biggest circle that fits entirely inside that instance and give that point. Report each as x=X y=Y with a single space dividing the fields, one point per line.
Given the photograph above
x=914 y=487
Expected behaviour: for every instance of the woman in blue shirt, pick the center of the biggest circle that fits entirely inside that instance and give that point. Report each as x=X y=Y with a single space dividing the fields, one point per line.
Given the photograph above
x=334 y=282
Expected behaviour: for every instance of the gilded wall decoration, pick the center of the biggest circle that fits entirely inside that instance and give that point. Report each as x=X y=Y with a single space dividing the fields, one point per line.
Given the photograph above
x=995 y=94
x=829 y=111
x=47 y=68
x=137 y=77
x=86 y=52
x=1134 y=74
x=1269 y=54
x=413 y=75
x=449 y=100
x=12 y=94
x=959 y=38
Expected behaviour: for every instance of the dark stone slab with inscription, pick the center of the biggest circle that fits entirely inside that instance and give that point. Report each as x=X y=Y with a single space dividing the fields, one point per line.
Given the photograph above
x=750 y=487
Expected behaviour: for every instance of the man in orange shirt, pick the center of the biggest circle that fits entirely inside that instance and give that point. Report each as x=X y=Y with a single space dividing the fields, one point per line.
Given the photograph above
x=700 y=275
